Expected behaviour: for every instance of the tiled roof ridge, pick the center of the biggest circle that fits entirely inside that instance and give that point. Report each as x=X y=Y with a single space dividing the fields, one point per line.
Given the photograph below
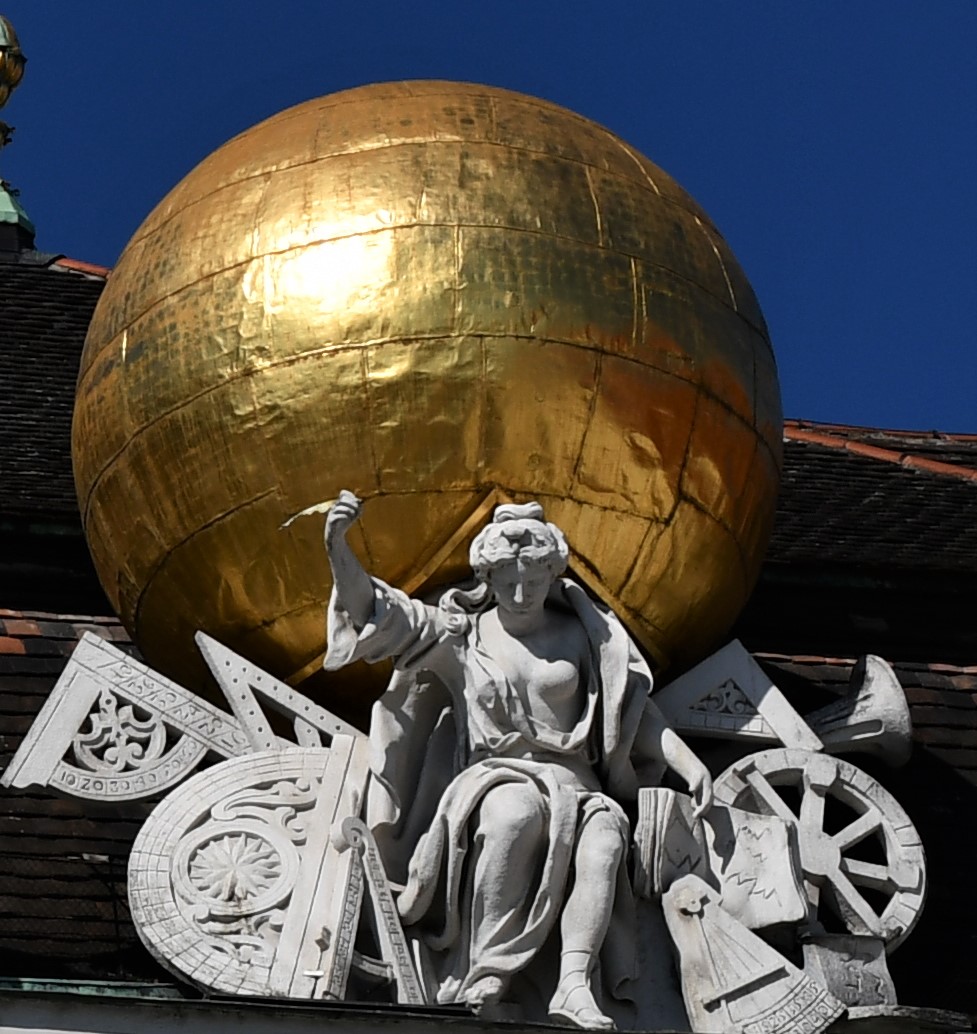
x=791 y=423
x=78 y=266
x=826 y=435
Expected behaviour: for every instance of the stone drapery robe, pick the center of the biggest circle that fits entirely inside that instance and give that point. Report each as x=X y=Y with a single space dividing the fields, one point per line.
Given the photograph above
x=450 y=728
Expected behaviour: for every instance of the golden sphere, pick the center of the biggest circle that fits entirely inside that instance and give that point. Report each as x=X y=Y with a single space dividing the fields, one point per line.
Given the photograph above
x=434 y=294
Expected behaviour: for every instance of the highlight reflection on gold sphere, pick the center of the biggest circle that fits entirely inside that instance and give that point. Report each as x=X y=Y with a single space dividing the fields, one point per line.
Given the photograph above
x=424 y=292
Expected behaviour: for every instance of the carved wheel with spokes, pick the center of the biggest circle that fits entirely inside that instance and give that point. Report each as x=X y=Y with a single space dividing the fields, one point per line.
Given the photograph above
x=859 y=851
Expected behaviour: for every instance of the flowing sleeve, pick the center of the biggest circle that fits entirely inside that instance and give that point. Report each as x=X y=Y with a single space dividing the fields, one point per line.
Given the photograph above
x=407 y=630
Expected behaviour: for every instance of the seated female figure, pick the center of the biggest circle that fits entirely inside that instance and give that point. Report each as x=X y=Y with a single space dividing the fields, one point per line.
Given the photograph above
x=517 y=723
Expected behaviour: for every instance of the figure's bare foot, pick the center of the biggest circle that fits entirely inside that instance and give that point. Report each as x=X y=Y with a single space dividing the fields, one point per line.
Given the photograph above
x=574 y=1004
x=485 y=992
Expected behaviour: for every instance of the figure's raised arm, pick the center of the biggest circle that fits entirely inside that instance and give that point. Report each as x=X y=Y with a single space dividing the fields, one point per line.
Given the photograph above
x=353 y=588
x=368 y=619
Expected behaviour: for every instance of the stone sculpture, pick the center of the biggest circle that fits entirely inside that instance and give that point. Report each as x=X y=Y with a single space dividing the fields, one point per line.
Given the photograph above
x=517 y=724
x=504 y=825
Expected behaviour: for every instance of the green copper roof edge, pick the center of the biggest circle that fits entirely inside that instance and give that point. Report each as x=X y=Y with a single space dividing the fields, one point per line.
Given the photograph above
x=12 y=211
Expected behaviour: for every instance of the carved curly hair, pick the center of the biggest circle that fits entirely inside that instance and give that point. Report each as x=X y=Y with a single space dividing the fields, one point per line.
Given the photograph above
x=518 y=532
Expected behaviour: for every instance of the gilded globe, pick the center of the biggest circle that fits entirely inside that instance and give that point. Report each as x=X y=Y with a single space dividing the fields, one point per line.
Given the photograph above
x=438 y=295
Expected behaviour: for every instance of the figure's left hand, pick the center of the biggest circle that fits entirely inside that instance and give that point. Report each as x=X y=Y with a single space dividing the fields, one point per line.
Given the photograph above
x=700 y=786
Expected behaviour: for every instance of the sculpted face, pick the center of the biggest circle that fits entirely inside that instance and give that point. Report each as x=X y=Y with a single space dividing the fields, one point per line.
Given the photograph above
x=520 y=586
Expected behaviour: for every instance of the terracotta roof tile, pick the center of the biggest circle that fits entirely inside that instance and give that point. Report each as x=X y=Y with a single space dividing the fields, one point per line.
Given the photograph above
x=78 y=266
x=20 y=627
x=952 y=455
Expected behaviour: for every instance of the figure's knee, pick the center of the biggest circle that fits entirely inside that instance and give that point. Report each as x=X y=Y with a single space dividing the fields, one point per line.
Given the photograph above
x=510 y=812
x=602 y=842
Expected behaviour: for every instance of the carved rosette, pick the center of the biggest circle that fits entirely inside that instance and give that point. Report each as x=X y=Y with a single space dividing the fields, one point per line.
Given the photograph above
x=213 y=869
x=241 y=871
x=233 y=876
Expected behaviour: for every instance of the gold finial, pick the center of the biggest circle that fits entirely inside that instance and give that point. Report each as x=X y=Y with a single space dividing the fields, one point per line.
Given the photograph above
x=12 y=63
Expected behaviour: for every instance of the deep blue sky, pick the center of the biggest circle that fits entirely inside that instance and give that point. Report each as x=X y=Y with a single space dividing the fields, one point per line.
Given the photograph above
x=834 y=143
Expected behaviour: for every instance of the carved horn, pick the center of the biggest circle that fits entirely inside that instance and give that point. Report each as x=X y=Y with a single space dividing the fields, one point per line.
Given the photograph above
x=872 y=717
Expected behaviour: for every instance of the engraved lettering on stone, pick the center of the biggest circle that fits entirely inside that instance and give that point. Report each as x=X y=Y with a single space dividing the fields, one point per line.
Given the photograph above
x=150 y=778
x=346 y=933
x=389 y=929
